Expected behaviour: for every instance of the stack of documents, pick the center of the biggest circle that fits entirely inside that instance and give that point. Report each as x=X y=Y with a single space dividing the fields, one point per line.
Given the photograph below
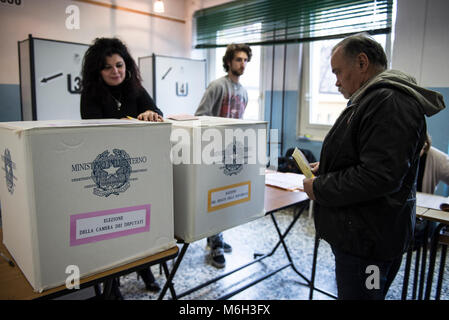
x=431 y=201
x=285 y=180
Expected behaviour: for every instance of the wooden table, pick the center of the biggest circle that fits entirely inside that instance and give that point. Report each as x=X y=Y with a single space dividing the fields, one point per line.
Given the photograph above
x=277 y=199
x=14 y=286
x=433 y=215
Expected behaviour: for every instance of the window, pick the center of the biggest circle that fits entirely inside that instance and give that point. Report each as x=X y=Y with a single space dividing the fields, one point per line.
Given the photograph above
x=321 y=103
x=289 y=21
x=271 y=22
x=326 y=102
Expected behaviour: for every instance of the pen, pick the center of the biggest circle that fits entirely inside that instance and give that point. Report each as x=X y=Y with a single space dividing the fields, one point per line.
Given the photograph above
x=131 y=118
x=7 y=259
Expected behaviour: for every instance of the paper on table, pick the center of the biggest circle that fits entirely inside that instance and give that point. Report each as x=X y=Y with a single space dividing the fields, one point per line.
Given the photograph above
x=430 y=200
x=285 y=180
x=182 y=117
x=302 y=163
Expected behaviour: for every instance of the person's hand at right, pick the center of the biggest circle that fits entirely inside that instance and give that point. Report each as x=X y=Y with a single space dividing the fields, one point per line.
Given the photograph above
x=308 y=187
x=314 y=166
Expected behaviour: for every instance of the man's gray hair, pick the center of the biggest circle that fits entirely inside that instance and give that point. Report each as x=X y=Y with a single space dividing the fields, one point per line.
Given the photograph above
x=358 y=43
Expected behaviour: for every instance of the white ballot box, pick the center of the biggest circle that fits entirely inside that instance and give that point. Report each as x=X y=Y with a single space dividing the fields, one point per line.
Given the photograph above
x=218 y=174
x=84 y=196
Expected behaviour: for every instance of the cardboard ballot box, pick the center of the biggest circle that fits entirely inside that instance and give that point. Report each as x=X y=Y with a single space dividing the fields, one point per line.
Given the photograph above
x=218 y=174
x=85 y=195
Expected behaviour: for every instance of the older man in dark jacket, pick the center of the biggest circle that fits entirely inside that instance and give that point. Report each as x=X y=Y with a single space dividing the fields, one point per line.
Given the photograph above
x=365 y=187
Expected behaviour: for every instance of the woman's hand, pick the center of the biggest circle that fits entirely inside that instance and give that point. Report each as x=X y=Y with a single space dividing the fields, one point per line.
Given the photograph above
x=150 y=116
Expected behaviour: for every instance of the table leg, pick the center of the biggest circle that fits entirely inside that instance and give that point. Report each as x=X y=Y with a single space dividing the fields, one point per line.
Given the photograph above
x=423 y=263
x=97 y=290
x=169 y=283
x=441 y=272
x=408 y=262
x=281 y=235
x=107 y=289
x=310 y=283
x=167 y=275
x=433 y=250
x=416 y=273
x=315 y=256
x=281 y=240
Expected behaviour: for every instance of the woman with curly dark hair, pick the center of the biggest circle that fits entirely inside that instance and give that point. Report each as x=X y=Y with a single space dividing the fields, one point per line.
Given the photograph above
x=111 y=88
x=111 y=85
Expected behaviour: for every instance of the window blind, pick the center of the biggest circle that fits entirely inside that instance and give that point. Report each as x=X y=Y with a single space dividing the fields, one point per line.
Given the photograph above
x=263 y=22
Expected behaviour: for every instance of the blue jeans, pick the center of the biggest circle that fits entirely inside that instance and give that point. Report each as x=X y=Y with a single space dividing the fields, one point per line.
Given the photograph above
x=363 y=279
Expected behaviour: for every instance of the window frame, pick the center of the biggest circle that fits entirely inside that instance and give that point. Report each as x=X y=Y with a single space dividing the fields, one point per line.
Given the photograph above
x=305 y=129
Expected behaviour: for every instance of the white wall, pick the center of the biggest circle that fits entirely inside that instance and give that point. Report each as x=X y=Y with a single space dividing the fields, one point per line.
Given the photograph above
x=144 y=35
x=421 y=45
x=421 y=48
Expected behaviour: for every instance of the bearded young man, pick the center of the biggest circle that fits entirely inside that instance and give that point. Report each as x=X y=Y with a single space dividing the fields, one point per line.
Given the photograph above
x=226 y=97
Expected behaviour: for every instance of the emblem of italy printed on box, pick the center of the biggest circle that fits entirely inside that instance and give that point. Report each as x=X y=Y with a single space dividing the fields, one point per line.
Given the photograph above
x=9 y=166
x=115 y=182
x=236 y=152
x=110 y=172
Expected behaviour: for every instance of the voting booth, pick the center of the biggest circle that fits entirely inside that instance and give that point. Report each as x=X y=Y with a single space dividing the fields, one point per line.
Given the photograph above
x=50 y=72
x=89 y=194
x=176 y=84
x=218 y=174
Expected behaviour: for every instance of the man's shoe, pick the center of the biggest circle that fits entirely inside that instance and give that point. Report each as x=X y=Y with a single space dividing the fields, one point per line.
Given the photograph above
x=226 y=247
x=148 y=279
x=153 y=286
x=217 y=258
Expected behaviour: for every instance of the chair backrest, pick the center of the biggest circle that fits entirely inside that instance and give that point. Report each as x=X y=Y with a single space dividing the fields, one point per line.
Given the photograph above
x=287 y=163
x=307 y=153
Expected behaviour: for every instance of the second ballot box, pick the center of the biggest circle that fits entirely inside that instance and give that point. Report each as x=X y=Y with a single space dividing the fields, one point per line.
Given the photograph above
x=218 y=174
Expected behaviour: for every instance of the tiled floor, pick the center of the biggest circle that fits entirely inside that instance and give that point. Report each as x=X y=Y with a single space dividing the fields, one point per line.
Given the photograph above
x=260 y=236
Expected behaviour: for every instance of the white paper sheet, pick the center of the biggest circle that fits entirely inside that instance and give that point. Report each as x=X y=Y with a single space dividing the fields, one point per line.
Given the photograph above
x=285 y=180
x=430 y=200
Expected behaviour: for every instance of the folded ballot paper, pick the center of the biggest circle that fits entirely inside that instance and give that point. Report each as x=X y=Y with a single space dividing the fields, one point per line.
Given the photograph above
x=302 y=163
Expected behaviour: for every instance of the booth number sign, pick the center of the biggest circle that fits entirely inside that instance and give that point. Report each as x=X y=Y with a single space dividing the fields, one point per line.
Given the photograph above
x=73 y=84
x=16 y=2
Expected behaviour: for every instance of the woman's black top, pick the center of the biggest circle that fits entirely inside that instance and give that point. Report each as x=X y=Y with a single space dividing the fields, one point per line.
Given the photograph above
x=117 y=105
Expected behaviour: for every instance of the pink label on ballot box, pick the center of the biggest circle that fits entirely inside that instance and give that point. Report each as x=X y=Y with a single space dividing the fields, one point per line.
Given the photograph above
x=108 y=224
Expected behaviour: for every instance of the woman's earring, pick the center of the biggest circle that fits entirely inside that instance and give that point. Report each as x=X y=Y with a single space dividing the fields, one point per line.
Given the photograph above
x=129 y=75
